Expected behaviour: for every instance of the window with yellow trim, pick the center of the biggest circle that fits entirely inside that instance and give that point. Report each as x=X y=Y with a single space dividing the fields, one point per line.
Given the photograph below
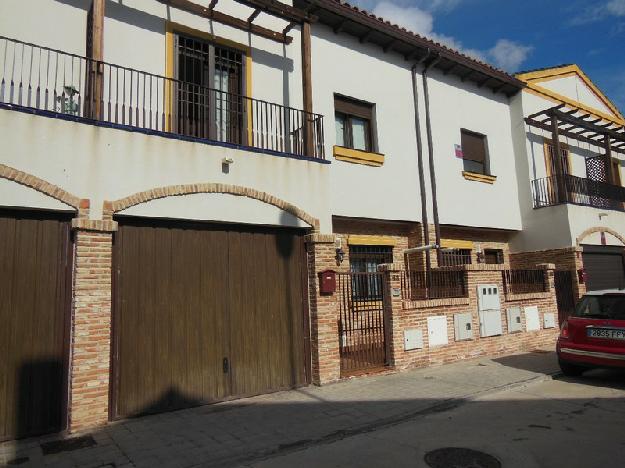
x=208 y=98
x=354 y=123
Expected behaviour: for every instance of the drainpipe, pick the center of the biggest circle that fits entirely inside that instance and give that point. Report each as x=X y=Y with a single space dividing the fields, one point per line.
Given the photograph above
x=428 y=126
x=424 y=206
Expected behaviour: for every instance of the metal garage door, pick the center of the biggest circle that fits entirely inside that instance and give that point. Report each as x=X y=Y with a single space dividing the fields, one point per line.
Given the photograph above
x=204 y=313
x=604 y=267
x=34 y=311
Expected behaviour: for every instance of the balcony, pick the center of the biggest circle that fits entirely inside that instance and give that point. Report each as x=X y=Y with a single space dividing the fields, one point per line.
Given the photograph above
x=560 y=189
x=63 y=85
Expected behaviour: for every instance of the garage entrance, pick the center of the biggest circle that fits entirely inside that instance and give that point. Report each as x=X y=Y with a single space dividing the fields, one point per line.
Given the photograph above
x=35 y=272
x=605 y=267
x=205 y=313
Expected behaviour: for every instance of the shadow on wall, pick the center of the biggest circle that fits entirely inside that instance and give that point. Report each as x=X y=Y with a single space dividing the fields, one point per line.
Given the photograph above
x=230 y=433
x=36 y=402
x=122 y=13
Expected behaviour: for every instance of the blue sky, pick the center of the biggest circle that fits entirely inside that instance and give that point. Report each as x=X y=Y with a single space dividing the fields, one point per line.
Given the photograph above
x=522 y=35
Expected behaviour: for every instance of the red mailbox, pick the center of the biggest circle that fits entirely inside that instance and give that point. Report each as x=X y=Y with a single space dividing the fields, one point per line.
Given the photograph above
x=327 y=282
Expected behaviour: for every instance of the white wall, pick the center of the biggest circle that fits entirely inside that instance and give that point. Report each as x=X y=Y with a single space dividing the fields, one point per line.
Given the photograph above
x=341 y=64
x=108 y=164
x=455 y=105
x=58 y=24
x=574 y=88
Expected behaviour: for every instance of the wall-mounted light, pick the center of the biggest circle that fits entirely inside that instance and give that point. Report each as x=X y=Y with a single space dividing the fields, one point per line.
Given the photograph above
x=225 y=164
x=340 y=253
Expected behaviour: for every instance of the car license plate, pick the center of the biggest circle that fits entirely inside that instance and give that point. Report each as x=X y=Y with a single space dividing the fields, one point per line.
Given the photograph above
x=607 y=333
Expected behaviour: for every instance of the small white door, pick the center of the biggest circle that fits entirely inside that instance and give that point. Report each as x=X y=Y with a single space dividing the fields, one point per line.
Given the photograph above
x=437 y=331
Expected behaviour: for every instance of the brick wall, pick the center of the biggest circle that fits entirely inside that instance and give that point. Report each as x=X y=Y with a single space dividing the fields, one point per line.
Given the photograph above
x=91 y=330
x=416 y=314
x=324 y=311
x=564 y=259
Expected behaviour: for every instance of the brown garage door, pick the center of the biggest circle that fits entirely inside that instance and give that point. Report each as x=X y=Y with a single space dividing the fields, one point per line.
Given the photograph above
x=34 y=309
x=604 y=267
x=205 y=312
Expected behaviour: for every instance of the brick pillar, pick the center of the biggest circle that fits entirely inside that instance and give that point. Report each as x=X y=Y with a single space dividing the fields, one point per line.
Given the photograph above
x=91 y=324
x=392 y=311
x=324 y=311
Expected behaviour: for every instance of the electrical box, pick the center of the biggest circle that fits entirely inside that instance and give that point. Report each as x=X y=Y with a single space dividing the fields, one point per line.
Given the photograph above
x=549 y=320
x=514 y=320
x=490 y=323
x=488 y=297
x=532 y=319
x=463 y=326
x=327 y=282
x=437 y=331
x=413 y=339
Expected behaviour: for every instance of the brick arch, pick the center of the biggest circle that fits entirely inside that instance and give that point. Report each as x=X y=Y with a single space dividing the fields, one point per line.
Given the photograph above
x=592 y=230
x=112 y=207
x=40 y=185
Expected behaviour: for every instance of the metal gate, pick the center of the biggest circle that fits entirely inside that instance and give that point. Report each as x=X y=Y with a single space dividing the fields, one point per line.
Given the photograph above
x=564 y=293
x=362 y=335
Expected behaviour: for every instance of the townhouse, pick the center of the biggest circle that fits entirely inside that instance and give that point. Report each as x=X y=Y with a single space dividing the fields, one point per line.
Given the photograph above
x=204 y=202
x=579 y=195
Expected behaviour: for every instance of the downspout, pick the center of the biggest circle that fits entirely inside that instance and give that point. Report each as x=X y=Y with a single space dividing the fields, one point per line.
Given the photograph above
x=422 y=189
x=428 y=126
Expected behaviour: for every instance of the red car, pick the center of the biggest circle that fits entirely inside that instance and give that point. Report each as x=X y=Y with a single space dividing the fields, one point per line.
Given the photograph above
x=594 y=334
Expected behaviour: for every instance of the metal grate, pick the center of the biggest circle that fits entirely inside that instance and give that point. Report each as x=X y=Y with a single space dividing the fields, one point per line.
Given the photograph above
x=361 y=323
x=524 y=281
x=455 y=257
x=59 y=84
x=439 y=284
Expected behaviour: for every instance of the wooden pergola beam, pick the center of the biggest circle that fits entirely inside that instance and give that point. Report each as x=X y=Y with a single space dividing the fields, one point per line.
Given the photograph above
x=254 y=15
x=199 y=10
x=544 y=125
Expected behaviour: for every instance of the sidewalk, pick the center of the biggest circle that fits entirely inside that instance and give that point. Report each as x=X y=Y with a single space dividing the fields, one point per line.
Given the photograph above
x=236 y=432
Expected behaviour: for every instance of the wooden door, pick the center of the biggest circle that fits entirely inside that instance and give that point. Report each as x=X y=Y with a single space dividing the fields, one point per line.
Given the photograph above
x=204 y=313
x=35 y=266
x=266 y=311
x=170 y=328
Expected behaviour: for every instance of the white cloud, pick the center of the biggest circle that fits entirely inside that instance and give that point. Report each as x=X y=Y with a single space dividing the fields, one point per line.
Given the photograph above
x=615 y=7
x=600 y=12
x=505 y=54
x=411 y=18
x=508 y=54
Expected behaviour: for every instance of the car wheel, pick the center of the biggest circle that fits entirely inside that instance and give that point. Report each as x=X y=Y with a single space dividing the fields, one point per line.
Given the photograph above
x=571 y=370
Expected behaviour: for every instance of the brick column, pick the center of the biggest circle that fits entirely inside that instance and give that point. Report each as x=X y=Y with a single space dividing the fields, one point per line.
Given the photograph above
x=392 y=311
x=91 y=324
x=324 y=311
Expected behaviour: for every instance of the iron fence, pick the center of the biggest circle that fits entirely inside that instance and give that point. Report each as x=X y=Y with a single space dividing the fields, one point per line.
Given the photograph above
x=524 y=281
x=559 y=189
x=51 y=80
x=439 y=284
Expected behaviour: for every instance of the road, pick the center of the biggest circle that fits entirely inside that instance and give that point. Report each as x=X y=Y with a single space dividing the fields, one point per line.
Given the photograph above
x=554 y=423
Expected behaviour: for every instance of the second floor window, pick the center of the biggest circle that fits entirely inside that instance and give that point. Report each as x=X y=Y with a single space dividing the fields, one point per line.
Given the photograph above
x=208 y=90
x=354 y=124
x=475 y=152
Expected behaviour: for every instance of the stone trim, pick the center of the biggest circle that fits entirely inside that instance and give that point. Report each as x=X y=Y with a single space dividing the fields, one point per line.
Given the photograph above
x=522 y=297
x=94 y=225
x=592 y=230
x=318 y=238
x=111 y=207
x=430 y=303
x=40 y=185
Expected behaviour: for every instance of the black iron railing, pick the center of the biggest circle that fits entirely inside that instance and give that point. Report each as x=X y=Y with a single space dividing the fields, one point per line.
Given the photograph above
x=440 y=284
x=524 y=281
x=556 y=190
x=51 y=80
